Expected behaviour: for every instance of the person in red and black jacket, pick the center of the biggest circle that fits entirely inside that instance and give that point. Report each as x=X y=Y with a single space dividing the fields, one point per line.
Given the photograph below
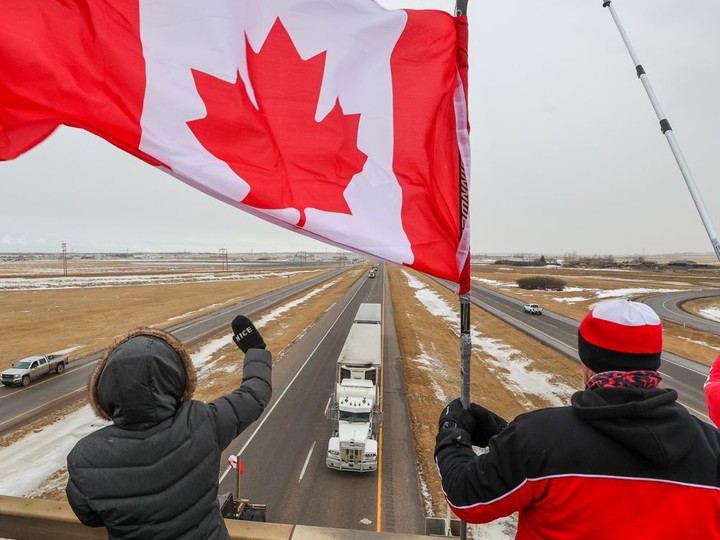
x=712 y=392
x=624 y=461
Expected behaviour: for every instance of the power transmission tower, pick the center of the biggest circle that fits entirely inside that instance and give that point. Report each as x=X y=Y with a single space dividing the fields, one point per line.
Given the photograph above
x=224 y=259
x=64 y=258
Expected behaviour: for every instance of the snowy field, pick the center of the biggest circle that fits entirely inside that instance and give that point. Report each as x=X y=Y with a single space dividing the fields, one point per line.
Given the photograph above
x=711 y=313
x=72 y=282
x=586 y=293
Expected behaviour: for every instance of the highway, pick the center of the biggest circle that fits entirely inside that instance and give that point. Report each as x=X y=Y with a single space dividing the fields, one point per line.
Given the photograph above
x=669 y=307
x=284 y=452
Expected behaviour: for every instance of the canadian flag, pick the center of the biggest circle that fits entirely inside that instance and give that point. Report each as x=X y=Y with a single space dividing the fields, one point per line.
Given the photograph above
x=340 y=120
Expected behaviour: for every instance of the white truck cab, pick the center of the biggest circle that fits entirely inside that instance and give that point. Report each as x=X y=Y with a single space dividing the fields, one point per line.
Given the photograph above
x=353 y=446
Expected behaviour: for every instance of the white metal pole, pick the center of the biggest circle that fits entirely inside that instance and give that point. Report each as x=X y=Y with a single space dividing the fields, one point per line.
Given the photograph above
x=669 y=135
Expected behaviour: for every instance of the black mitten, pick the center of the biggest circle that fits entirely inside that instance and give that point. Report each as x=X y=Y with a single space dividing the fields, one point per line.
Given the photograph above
x=245 y=335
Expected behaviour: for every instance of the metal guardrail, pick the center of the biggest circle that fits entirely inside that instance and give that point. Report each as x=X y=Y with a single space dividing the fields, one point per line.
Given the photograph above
x=36 y=519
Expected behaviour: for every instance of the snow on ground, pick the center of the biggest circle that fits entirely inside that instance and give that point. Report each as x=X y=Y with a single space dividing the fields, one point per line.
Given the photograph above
x=72 y=282
x=624 y=293
x=205 y=354
x=430 y=363
x=32 y=460
x=493 y=282
x=571 y=299
x=602 y=294
x=425 y=494
x=500 y=529
x=593 y=293
x=712 y=313
x=703 y=343
x=274 y=314
x=511 y=365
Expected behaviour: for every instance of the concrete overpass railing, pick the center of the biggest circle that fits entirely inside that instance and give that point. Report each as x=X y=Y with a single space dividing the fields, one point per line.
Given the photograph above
x=35 y=519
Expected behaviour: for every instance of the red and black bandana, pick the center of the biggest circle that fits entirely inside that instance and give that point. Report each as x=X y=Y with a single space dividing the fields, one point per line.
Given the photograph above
x=641 y=378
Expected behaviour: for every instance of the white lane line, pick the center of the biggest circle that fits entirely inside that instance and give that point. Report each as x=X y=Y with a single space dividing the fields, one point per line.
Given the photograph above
x=327 y=405
x=307 y=460
x=290 y=384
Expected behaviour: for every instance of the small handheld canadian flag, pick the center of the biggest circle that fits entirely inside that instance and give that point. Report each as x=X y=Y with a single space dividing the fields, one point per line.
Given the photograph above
x=233 y=461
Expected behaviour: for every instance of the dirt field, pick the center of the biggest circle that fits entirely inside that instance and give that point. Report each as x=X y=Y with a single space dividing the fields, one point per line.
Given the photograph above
x=89 y=318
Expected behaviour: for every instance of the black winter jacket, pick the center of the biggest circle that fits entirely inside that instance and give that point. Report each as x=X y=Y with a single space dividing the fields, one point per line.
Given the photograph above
x=154 y=472
x=618 y=463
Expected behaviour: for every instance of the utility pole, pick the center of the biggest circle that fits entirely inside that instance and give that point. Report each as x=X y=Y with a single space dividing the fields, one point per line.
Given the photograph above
x=64 y=258
x=224 y=259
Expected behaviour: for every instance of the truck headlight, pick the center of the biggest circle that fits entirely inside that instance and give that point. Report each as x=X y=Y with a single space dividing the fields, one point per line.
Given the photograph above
x=371 y=454
x=334 y=452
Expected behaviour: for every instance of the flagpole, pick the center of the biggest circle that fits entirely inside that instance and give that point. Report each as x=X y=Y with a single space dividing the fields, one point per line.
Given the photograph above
x=669 y=135
x=464 y=294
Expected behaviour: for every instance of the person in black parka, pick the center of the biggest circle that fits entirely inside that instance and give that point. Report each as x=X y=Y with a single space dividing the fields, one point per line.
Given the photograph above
x=153 y=472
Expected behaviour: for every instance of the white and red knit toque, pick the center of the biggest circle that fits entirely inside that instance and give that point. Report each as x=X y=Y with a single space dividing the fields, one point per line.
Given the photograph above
x=620 y=335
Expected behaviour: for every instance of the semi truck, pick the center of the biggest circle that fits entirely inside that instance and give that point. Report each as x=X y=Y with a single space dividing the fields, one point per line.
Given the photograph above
x=355 y=411
x=24 y=371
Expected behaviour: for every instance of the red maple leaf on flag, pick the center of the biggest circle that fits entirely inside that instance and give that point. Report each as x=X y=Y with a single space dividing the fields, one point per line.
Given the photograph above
x=289 y=159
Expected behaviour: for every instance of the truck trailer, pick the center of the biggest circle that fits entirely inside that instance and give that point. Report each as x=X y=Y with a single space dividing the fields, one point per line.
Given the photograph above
x=355 y=412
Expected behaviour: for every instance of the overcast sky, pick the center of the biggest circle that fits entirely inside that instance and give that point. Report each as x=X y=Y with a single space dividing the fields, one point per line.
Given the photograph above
x=567 y=151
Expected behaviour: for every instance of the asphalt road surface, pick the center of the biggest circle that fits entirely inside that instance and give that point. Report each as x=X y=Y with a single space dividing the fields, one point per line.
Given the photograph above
x=669 y=307
x=284 y=451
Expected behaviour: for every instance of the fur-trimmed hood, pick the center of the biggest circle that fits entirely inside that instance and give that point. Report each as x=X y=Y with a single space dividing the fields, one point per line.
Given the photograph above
x=142 y=379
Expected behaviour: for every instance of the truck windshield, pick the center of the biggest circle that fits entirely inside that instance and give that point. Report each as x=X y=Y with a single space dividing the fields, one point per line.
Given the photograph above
x=354 y=417
x=21 y=365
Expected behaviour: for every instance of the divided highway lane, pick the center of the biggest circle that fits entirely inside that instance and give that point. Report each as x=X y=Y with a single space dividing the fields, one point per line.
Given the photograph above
x=284 y=452
x=560 y=333
x=669 y=307
x=19 y=405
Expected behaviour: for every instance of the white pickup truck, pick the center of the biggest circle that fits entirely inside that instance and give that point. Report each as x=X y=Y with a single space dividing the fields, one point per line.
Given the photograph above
x=532 y=309
x=28 y=369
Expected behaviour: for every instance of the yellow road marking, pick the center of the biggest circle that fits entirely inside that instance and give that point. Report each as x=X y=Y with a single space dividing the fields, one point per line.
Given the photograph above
x=378 y=528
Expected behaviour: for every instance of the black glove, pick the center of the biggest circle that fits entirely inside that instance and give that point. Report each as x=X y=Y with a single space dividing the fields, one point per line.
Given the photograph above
x=245 y=335
x=480 y=423
x=487 y=425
